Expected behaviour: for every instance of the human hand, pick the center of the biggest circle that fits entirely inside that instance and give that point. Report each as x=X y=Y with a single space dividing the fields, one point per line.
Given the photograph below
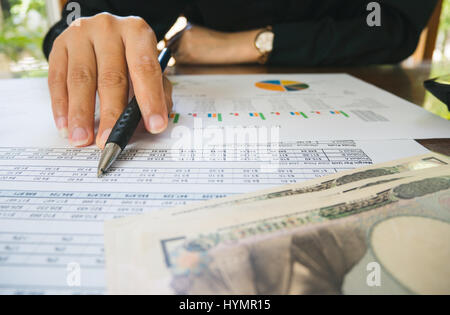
x=106 y=53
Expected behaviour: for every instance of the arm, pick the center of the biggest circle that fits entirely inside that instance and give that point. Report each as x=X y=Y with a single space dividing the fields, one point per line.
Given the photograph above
x=160 y=16
x=351 y=41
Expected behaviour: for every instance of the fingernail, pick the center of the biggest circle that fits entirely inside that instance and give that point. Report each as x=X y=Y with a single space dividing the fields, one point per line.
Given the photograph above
x=156 y=123
x=104 y=137
x=61 y=125
x=79 y=137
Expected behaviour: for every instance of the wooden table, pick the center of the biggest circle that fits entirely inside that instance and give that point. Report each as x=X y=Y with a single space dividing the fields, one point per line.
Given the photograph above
x=405 y=82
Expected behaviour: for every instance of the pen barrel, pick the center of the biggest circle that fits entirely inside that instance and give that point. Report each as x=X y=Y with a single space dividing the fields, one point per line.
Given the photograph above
x=130 y=117
x=126 y=125
x=164 y=58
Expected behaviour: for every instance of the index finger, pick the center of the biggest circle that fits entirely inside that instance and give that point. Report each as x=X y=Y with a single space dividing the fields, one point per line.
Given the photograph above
x=145 y=73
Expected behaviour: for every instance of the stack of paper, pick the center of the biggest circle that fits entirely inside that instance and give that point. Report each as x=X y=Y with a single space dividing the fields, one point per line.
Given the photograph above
x=227 y=135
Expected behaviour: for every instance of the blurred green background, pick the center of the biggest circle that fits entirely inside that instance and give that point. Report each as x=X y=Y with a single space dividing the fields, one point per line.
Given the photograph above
x=23 y=24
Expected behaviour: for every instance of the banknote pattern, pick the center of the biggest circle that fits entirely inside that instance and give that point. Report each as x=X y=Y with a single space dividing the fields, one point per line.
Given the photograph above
x=423 y=163
x=404 y=191
x=193 y=259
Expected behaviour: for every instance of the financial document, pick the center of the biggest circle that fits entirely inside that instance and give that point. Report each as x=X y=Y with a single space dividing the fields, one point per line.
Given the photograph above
x=306 y=106
x=52 y=205
x=302 y=106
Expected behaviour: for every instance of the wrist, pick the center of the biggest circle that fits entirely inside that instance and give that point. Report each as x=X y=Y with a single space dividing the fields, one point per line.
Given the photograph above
x=240 y=46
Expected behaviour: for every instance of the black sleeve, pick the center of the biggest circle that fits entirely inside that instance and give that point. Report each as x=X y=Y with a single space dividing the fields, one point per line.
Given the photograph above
x=160 y=15
x=347 y=41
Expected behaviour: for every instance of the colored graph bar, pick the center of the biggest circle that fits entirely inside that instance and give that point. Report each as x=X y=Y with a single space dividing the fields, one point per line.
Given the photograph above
x=175 y=120
x=344 y=114
x=297 y=113
x=303 y=114
x=195 y=115
x=251 y=114
x=214 y=115
x=292 y=113
x=236 y=114
x=256 y=114
x=219 y=117
x=331 y=112
x=172 y=115
x=262 y=116
x=209 y=115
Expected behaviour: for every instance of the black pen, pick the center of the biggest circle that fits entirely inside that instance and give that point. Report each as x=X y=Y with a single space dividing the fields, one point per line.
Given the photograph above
x=125 y=126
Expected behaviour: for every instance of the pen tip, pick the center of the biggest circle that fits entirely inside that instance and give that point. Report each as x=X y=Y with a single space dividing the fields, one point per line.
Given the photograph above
x=99 y=172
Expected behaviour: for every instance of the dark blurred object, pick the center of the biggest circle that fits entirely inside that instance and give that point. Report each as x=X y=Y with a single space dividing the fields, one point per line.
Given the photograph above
x=440 y=87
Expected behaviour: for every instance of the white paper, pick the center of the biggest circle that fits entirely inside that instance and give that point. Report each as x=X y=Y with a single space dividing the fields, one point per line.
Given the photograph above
x=334 y=106
x=52 y=205
x=361 y=111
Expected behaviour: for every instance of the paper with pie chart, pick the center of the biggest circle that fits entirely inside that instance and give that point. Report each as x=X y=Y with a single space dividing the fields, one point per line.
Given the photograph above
x=304 y=106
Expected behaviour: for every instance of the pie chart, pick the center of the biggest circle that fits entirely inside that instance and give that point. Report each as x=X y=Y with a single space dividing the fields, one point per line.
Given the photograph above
x=281 y=85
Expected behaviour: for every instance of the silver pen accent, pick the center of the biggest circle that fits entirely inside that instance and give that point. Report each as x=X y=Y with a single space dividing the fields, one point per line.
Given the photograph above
x=109 y=155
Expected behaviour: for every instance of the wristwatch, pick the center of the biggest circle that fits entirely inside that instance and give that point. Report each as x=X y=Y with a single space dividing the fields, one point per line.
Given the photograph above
x=264 y=43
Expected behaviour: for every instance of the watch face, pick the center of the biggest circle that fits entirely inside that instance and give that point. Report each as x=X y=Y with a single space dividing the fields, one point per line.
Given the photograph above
x=264 y=42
